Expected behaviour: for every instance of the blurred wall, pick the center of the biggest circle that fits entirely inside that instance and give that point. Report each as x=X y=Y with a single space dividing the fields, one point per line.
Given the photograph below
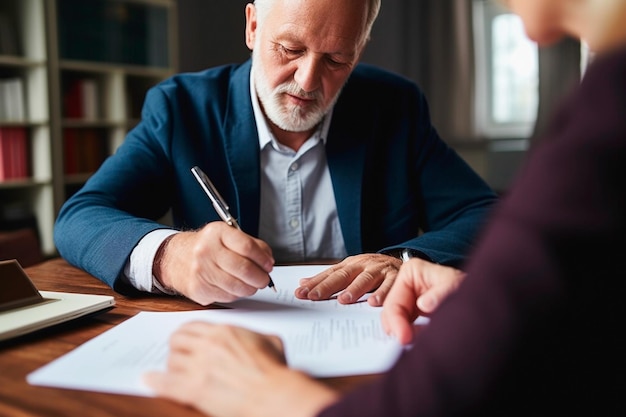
x=212 y=33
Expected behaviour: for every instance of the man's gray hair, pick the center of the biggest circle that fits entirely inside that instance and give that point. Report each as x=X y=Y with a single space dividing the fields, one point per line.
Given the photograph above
x=263 y=7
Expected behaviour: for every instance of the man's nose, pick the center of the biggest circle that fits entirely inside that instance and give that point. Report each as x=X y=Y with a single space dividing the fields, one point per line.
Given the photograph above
x=309 y=73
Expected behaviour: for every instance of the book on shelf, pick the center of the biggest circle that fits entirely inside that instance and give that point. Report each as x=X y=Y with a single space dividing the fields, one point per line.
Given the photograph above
x=12 y=107
x=70 y=161
x=8 y=36
x=81 y=99
x=84 y=150
x=13 y=153
x=113 y=31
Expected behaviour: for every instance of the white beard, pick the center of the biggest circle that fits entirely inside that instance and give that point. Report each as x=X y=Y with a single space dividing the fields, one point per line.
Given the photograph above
x=289 y=117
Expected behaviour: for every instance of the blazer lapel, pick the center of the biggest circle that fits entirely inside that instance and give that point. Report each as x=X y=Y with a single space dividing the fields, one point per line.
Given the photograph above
x=241 y=143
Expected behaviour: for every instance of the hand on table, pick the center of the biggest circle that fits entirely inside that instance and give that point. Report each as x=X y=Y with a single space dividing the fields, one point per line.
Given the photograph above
x=217 y=263
x=353 y=277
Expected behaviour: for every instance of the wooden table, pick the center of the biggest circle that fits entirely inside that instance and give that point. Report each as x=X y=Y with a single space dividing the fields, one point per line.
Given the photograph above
x=21 y=356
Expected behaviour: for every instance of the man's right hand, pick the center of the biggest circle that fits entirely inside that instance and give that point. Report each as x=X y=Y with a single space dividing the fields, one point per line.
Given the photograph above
x=217 y=263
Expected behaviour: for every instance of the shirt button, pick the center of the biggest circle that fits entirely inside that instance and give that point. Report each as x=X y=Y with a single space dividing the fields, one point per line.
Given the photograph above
x=294 y=166
x=294 y=223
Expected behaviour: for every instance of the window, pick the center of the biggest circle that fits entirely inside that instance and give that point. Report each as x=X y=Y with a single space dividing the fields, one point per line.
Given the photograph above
x=507 y=73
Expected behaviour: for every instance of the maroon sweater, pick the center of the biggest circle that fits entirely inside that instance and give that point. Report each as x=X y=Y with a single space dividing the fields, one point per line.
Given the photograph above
x=538 y=326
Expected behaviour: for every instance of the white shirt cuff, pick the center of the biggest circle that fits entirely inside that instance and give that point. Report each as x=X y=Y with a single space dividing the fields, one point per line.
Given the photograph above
x=139 y=267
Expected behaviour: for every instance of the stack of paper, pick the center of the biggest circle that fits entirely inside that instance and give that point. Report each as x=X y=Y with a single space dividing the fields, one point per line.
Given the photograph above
x=322 y=338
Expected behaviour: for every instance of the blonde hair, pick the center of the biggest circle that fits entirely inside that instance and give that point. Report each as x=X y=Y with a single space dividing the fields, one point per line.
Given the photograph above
x=607 y=28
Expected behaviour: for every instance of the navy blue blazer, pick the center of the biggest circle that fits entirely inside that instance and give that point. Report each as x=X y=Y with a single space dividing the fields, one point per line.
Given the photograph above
x=396 y=183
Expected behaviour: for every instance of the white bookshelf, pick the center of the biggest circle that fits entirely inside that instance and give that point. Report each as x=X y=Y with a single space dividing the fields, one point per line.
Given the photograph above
x=40 y=55
x=23 y=55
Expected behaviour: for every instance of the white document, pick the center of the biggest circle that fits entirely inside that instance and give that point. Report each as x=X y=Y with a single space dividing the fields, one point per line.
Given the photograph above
x=324 y=339
x=286 y=280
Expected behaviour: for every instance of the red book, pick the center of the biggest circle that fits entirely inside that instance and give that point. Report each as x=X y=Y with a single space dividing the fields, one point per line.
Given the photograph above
x=20 y=152
x=72 y=100
x=89 y=150
x=5 y=154
x=80 y=100
x=13 y=153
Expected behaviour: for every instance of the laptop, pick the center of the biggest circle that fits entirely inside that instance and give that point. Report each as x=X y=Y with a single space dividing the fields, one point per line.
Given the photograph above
x=24 y=309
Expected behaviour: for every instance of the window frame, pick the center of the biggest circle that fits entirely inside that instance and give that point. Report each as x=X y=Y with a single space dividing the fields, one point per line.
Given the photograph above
x=484 y=12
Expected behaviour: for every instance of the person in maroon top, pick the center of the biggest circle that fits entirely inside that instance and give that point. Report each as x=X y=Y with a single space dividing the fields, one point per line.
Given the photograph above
x=533 y=323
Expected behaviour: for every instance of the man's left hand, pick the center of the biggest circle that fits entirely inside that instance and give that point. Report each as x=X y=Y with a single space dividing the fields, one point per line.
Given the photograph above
x=355 y=276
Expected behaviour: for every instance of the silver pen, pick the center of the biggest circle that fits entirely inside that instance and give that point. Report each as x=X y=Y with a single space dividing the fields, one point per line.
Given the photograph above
x=219 y=204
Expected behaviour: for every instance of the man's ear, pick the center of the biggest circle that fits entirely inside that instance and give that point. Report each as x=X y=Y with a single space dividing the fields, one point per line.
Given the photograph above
x=251 y=25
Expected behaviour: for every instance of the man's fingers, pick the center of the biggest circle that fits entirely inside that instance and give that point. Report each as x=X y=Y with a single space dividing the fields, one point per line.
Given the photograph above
x=322 y=288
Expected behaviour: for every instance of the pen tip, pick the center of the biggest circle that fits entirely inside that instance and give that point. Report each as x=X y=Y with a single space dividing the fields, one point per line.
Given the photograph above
x=271 y=284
